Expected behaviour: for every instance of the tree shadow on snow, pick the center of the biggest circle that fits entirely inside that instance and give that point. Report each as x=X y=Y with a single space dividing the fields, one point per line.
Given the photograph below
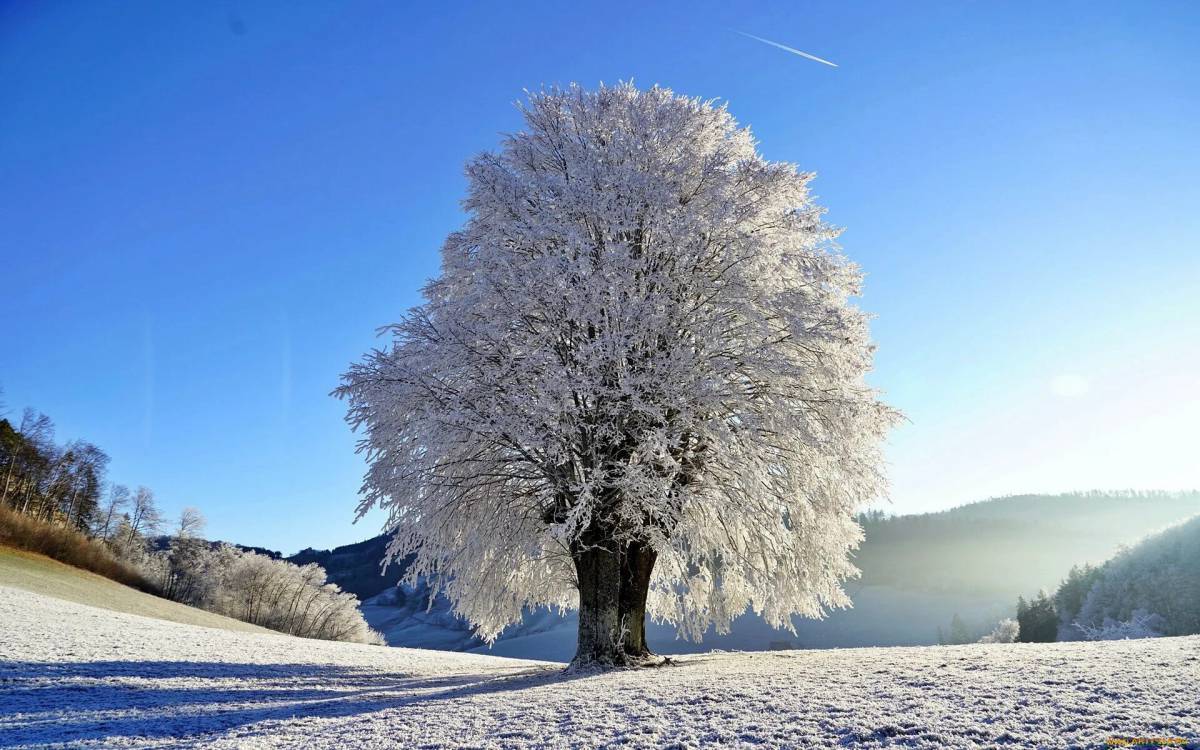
x=44 y=702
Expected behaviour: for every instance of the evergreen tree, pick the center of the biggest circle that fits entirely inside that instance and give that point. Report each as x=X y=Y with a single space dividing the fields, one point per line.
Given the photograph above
x=958 y=631
x=1069 y=598
x=1037 y=620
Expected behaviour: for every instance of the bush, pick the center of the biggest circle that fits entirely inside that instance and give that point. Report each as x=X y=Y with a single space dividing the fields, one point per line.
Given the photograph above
x=244 y=585
x=69 y=546
x=261 y=590
x=1005 y=632
x=1141 y=624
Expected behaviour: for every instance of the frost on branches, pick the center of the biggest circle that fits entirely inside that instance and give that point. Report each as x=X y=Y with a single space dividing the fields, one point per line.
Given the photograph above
x=1006 y=631
x=636 y=387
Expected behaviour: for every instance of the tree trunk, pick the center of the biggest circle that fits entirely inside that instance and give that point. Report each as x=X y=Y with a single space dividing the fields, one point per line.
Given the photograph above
x=12 y=461
x=613 y=583
x=637 y=566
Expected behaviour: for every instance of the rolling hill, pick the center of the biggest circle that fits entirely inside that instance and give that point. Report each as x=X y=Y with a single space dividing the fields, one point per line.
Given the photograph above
x=918 y=572
x=1156 y=581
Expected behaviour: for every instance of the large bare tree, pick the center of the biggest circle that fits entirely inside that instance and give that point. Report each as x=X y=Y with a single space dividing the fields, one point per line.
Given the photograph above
x=636 y=386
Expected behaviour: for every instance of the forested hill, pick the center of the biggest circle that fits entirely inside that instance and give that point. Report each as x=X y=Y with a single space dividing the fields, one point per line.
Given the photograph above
x=357 y=567
x=1012 y=545
x=1150 y=588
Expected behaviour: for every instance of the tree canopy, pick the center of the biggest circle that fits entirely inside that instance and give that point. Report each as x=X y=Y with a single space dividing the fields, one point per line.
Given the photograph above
x=642 y=339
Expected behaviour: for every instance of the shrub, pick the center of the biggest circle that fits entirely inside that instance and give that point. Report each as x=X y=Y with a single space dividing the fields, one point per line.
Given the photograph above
x=286 y=597
x=1141 y=624
x=1005 y=632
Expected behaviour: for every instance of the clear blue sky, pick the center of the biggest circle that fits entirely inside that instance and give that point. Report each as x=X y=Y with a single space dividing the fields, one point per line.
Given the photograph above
x=206 y=209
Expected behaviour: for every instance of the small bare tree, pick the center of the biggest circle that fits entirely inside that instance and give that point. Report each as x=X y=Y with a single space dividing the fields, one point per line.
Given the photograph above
x=110 y=515
x=191 y=523
x=145 y=519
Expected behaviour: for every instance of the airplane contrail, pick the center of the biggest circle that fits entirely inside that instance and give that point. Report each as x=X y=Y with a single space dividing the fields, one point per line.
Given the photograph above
x=786 y=48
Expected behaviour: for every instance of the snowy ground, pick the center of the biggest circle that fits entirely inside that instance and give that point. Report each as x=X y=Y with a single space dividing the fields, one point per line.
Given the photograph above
x=82 y=676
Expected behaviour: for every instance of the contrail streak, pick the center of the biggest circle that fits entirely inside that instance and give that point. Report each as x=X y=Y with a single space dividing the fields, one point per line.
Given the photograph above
x=786 y=48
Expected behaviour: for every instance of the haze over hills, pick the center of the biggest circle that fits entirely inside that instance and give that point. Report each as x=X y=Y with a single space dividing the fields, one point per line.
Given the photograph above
x=1012 y=545
x=918 y=572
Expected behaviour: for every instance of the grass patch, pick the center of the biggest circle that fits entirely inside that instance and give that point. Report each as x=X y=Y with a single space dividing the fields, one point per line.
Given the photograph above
x=69 y=546
x=29 y=571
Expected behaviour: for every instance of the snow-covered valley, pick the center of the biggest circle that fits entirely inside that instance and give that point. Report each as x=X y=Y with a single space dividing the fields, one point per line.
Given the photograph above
x=73 y=675
x=920 y=573
x=881 y=616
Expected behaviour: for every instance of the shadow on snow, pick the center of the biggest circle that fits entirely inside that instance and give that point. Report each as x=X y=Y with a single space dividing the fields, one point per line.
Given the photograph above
x=44 y=702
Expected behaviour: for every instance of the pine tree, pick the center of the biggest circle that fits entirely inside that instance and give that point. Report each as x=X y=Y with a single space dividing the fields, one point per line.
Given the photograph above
x=1037 y=621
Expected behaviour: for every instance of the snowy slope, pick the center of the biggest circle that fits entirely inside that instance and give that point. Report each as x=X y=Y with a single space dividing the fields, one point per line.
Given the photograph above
x=82 y=676
x=31 y=572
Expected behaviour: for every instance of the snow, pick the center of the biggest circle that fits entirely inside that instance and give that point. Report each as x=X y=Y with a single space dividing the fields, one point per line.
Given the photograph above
x=78 y=676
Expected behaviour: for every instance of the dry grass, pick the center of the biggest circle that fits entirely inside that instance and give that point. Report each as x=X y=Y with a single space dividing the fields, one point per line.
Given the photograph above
x=66 y=545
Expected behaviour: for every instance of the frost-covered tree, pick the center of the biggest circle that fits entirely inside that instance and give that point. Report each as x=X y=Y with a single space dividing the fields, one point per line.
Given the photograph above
x=636 y=386
x=1006 y=631
x=1141 y=624
x=290 y=598
x=1153 y=586
x=191 y=523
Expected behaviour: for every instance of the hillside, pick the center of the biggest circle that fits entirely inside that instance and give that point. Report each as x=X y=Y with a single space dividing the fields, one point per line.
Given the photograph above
x=41 y=575
x=918 y=572
x=86 y=677
x=357 y=568
x=1157 y=582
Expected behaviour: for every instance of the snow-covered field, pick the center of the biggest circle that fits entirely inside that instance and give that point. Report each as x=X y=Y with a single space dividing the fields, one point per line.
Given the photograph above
x=81 y=676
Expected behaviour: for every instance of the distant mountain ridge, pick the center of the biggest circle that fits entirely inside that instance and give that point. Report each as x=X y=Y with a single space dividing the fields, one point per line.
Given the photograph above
x=357 y=568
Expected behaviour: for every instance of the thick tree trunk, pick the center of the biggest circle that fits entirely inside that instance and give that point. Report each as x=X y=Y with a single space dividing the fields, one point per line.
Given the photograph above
x=613 y=583
x=637 y=565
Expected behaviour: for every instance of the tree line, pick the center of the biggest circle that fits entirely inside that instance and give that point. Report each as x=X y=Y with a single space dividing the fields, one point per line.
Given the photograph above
x=55 y=499
x=51 y=482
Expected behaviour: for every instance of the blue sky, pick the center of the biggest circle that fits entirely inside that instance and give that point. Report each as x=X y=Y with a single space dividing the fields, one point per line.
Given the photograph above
x=207 y=209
